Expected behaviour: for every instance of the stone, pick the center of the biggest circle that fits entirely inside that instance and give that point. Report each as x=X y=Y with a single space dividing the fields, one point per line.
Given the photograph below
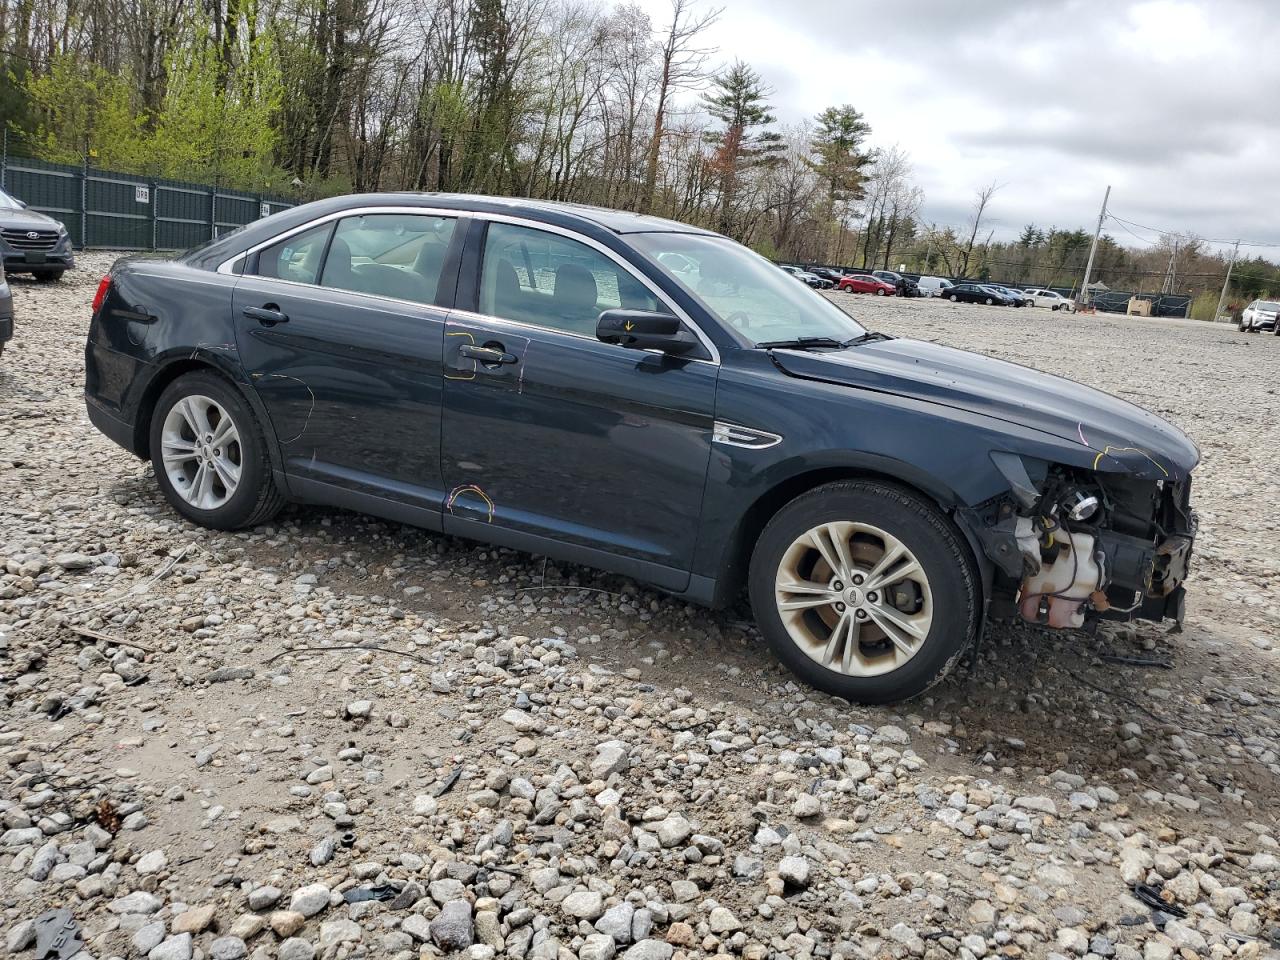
x=286 y=923
x=722 y=921
x=174 y=948
x=583 y=905
x=673 y=830
x=611 y=757
x=194 y=920
x=296 y=948
x=137 y=902
x=147 y=937
x=228 y=948
x=151 y=862
x=452 y=928
x=597 y=946
x=616 y=922
x=794 y=871
x=649 y=950
x=310 y=900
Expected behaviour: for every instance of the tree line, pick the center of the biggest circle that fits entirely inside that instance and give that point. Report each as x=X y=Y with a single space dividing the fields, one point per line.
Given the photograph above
x=577 y=100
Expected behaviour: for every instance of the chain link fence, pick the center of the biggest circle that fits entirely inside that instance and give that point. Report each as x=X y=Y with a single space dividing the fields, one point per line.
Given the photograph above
x=108 y=210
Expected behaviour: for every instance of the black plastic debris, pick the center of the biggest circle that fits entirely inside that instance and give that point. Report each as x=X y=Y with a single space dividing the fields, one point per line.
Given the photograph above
x=57 y=935
x=361 y=894
x=1151 y=897
x=447 y=784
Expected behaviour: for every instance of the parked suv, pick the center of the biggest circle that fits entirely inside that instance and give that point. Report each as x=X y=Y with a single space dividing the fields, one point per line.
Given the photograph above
x=6 y=312
x=932 y=286
x=1050 y=299
x=534 y=375
x=1260 y=315
x=31 y=242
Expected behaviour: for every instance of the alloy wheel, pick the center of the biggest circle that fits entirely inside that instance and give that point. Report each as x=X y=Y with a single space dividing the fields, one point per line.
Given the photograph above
x=201 y=452
x=853 y=598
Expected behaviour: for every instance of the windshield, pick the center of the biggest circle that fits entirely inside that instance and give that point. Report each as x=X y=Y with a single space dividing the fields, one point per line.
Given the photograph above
x=8 y=203
x=744 y=291
x=1268 y=305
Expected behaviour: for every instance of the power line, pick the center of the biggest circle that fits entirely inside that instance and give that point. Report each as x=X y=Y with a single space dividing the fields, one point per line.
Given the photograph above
x=1190 y=236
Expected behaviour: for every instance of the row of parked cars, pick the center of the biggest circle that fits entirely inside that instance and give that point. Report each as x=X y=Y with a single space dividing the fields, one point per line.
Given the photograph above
x=887 y=283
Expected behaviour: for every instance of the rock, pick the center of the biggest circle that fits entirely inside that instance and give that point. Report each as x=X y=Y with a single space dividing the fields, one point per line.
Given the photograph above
x=333 y=932
x=806 y=806
x=1037 y=804
x=296 y=948
x=286 y=923
x=616 y=922
x=611 y=757
x=137 y=902
x=226 y=674
x=673 y=830
x=260 y=898
x=147 y=937
x=152 y=862
x=358 y=710
x=722 y=920
x=649 y=950
x=310 y=900
x=425 y=806
x=583 y=905
x=417 y=926
x=174 y=948
x=194 y=920
x=794 y=871
x=452 y=928
x=597 y=946
x=227 y=948
x=22 y=935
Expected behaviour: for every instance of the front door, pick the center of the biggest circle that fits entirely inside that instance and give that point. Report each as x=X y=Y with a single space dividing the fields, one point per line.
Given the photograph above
x=550 y=435
x=340 y=330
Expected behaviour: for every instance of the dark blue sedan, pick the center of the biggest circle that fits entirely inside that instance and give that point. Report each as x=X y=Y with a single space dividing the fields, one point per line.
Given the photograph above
x=647 y=398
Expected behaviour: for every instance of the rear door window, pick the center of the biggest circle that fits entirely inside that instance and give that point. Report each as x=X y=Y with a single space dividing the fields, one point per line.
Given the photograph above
x=296 y=258
x=396 y=255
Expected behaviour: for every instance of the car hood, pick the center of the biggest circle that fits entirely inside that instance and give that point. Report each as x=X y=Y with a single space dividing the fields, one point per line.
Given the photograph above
x=25 y=219
x=1123 y=437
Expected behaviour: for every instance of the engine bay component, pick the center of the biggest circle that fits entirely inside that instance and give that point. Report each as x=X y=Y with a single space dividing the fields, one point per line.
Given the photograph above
x=1072 y=570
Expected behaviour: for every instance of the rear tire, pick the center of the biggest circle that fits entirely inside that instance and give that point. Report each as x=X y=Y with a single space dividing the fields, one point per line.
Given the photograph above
x=953 y=298
x=254 y=498
x=987 y=301
x=831 y=636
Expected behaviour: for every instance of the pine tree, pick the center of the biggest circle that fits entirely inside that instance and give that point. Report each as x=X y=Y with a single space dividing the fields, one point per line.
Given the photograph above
x=739 y=100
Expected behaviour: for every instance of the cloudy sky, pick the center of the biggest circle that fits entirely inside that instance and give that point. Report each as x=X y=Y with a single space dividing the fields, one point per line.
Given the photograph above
x=1175 y=103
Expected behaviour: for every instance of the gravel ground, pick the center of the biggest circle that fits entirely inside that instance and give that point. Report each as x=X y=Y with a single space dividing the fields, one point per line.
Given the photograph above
x=535 y=760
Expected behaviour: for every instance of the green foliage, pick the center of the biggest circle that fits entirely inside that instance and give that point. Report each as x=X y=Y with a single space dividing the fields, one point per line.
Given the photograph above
x=1202 y=306
x=83 y=108
x=838 y=156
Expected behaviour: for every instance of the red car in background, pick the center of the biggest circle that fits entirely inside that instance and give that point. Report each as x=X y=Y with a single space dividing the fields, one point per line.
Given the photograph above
x=865 y=283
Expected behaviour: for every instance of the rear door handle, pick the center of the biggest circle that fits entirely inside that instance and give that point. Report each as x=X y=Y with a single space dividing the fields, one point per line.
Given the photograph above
x=268 y=314
x=486 y=354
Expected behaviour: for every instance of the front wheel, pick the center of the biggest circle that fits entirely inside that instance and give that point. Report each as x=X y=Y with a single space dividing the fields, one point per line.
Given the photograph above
x=210 y=454
x=864 y=591
x=879 y=293
x=987 y=301
x=47 y=276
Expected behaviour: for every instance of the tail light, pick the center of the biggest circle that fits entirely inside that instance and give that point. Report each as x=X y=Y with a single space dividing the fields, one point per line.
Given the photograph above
x=104 y=287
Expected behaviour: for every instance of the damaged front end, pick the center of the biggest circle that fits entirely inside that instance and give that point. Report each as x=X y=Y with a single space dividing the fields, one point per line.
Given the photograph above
x=1071 y=545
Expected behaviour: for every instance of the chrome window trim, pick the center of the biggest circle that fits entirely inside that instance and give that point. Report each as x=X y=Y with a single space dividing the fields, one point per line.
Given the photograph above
x=228 y=266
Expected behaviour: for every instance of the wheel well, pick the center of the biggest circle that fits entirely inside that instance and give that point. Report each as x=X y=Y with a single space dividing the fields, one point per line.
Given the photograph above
x=147 y=405
x=753 y=522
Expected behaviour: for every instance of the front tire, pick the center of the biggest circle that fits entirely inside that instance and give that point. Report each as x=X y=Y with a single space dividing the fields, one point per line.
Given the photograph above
x=864 y=591
x=210 y=454
x=47 y=276
x=879 y=293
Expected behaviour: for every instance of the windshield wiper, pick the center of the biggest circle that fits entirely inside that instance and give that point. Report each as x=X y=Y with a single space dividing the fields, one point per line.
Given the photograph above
x=871 y=336
x=801 y=343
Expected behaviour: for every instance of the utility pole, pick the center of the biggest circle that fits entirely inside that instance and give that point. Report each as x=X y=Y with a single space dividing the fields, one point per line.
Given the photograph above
x=1093 y=249
x=1167 y=286
x=1223 y=295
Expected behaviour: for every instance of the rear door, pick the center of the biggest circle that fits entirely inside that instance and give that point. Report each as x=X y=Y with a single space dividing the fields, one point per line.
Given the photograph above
x=551 y=436
x=341 y=327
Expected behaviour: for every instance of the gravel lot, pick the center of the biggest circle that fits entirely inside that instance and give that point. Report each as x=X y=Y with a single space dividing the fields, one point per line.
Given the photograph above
x=534 y=760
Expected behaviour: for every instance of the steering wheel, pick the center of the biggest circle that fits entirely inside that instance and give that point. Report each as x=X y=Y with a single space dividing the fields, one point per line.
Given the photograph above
x=739 y=319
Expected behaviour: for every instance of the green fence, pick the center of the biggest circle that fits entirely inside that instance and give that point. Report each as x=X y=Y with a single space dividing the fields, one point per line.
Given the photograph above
x=121 y=211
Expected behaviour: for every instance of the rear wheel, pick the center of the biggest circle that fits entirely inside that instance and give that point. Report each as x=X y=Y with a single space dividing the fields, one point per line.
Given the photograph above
x=953 y=298
x=210 y=454
x=987 y=301
x=864 y=591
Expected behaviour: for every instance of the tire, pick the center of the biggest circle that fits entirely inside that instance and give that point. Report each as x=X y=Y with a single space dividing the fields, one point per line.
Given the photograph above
x=987 y=301
x=255 y=498
x=953 y=298
x=874 y=670
x=879 y=293
x=47 y=276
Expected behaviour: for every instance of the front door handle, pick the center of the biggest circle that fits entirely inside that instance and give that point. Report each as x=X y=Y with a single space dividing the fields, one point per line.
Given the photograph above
x=268 y=314
x=489 y=355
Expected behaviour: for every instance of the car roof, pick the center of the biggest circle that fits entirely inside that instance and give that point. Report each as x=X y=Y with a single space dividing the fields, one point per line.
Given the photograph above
x=583 y=218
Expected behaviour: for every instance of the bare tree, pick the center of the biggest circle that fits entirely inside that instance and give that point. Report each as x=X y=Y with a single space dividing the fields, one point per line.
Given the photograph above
x=980 y=202
x=683 y=64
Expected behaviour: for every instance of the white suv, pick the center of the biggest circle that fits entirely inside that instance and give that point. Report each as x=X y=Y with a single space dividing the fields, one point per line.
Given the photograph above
x=1260 y=315
x=1050 y=299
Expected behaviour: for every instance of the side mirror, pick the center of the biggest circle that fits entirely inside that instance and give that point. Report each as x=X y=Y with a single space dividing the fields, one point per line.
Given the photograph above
x=645 y=330
x=22 y=204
